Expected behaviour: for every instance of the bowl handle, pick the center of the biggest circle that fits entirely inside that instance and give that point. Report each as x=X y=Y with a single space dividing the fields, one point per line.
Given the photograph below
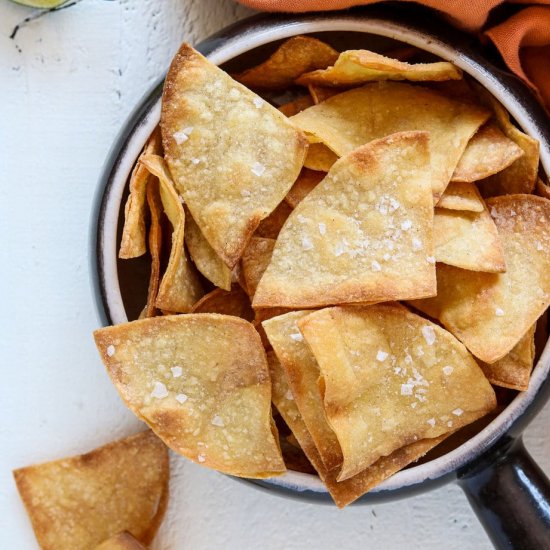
x=511 y=496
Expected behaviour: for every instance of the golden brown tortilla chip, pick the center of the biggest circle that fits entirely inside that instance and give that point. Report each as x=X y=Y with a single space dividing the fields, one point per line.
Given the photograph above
x=132 y=243
x=271 y=226
x=297 y=106
x=521 y=175
x=488 y=152
x=302 y=374
x=204 y=256
x=234 y=302
x=390 y=378
x=461 y=196
x=80 y=501
x=363 y=234
x=355 y=67
x=292 y=58
x=490 y=312
x=514 y=369
x=229 y=184
x=180 y=287
x=351 y=119
x=469 y=240
x=345 y=492
x=202 y=383
x=307 y=180
x=155 y=246
x=256 y=258
x=121 y=541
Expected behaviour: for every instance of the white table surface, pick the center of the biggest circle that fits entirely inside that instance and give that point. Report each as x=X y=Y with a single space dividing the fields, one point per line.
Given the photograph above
x=67 y=82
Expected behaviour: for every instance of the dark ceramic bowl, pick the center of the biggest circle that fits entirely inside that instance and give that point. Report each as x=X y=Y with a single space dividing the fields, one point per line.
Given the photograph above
x=509 y=492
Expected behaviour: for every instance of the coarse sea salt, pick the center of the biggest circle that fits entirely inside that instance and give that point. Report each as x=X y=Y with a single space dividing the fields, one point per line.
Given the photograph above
x=448 y=370
x=159 y=391
x=416 y=243
x=322 y=228
x=406 y=225
x=258 y=102
x=258 y=169
x=431 y=422
x=201 y=457
x=375 y=266
x=289 y=396
x=217 y=421
x=111 y=350
x=183 y=135
x=458 y=412
x=407 y=389
x=381 y=355
x=429 y=334
x=307 y=244
x=176 y=371
x=297 y=337
x=181 y=398
x=499 y=312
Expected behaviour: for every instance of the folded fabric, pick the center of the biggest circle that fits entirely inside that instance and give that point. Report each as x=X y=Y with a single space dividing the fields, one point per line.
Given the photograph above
x=523 y=40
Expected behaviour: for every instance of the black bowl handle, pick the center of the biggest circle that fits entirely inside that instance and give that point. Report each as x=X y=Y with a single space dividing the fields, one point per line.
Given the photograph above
x=511 y=497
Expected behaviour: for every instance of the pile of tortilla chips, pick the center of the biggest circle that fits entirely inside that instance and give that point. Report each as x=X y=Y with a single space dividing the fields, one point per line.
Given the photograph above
x=367 y=257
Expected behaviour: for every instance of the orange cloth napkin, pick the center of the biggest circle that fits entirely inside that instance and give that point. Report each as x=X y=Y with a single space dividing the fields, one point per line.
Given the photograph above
x=523 y=40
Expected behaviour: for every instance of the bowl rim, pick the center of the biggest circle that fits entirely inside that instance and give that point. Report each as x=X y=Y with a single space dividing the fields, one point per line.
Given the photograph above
x=263 y=29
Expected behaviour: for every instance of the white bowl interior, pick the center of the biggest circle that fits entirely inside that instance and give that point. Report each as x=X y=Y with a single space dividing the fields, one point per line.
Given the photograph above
x=238 y=45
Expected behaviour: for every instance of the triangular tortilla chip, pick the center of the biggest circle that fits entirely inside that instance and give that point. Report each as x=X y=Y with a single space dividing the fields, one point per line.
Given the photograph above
x=234 y=302
x=355 y=67
x=461 y=196
x=132 y=243
x=363 y=234
x=155 y=246
x=204 y=256
x=351 y=119
x=231 y=178
x=292 y=58
x=347 y=491
x=391 y=378
x=256 y=258
x=306 y=182
x=302 y=373
x=121 y=541
x=468 y=240
x=80 y=501
x=202 y=384
x=488 y=152
x=180 y=287
x=514 y=369
x=521 y=175
x=490 y=312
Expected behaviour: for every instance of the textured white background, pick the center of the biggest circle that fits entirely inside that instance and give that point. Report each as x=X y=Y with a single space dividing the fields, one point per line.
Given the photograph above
x=67 y=82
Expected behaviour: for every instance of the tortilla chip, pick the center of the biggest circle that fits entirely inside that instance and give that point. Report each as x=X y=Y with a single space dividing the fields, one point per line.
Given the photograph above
x=514 y=369
x=355 y=67
x=468 y=240
x=229 y=184
x=461 y=196
x=488 y=152
x=490 y=312
x=132 y=243
x=353 y=118
x=292 y=58
x=521 y=175
x=368 y=224
x=271 y=226
x=319 y=157
x=155 y=246
x=234 y=302
x=256 y=258
x=302 y=374
x=180 y=287
x=121 y=541
x=201 y=382
x=306 y=182
x=204 y=256
x=386 y=385
x=297 y=106
x=347 y=491
x=80 y=501
x=321 y=93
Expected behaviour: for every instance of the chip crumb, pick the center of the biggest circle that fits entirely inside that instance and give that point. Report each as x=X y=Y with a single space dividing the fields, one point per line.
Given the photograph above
x=258 y=169
x=431 y=422
x=217 y=421
x=458 y=412
x=111 y=350
x=499 y=312
x=201 y=457
x=381 y=355
x=407 y=389
x=429 y=334
x=159 y=391
x=448 y=370
x=181 y=398
x=176 y=372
